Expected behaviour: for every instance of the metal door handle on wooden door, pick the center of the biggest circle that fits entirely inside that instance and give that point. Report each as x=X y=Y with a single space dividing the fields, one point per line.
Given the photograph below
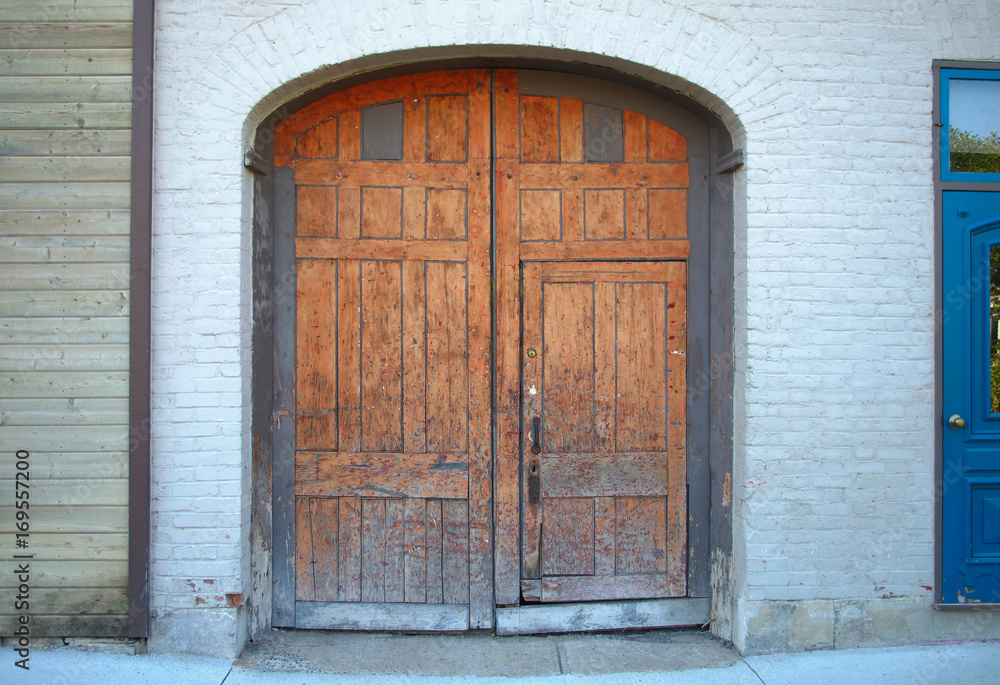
x=534 y=478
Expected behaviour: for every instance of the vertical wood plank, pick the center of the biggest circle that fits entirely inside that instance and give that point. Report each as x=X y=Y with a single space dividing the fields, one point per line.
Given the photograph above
x=415 y=559
x=350 y=136
x=641 y=535
x=539 y=129
x=481 y=596
x=349 y=212
x=507 y=114
x=605 y=374
x=435 y=580
x=508 y=331
x=349 y=548
x=455 y=545
x=531 y=401
x=305 y=587
x=572 y=214
x=571 y=130
x=447 y=358
x=381 y=364
x=636 y=214
x=415 y=130
x=414 y=358
x=325 y=528
x=316 y=380
x=604 y=536
x=373 y=552
x=568 y=367
x=316 y=211
x=568 y=537
x=677 y=426
x=349 y=354
x=414 y=213
x=394 y=550
x=642 y=367
x=635 y=137
x=447 y=128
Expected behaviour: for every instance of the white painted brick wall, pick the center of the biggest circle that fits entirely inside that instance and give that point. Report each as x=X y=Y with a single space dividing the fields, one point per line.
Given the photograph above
x=832 y=100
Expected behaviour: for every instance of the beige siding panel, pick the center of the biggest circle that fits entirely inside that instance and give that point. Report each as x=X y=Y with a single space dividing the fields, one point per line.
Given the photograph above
x=60 y=331
x=74 y=384
x=63 y=276
x=21 y=357
x=94 y=601
x=53 y=412
x=65 y=142
x=45 y=115
x=65 y=168
x=114 y=62
x=65 y=35
x=79 y=546
x=79 y=465
x=87 y=519
x=55 y=574
x=46 y=196
x=43 y=303
x=85 y=222
x=66 y=89
x=65 y=114
x=49 y=249
x=64 y=492
x=70 y=626
x=66 y=10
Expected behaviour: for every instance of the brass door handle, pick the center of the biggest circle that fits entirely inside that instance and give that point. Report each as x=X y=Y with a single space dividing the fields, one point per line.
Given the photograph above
x=956 y=421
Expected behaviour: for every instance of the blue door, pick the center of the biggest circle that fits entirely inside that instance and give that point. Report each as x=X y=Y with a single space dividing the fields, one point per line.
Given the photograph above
x=971 y=399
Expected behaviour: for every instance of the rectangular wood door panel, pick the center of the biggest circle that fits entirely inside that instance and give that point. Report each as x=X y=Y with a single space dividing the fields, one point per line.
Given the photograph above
x=381 y=356
x=640 y=535
x=641 y=364
x=568 y=367
x=393 y=550
x=316 y=426
x=568 y=537
x=447 y=365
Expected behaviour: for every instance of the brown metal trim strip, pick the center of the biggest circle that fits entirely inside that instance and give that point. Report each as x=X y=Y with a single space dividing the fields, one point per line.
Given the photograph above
x=139 y=318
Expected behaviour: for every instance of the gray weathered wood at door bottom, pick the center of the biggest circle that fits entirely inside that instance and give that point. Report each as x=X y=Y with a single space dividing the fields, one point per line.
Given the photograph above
x=587 y=616
x=381 y=616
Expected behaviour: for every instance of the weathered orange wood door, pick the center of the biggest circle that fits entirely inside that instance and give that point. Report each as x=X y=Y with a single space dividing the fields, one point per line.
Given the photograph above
x=404 y=517
x=392 y=436
x=591 y=205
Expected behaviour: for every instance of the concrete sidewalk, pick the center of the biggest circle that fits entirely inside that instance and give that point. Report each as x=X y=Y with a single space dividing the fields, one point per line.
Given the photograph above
x=662 y=657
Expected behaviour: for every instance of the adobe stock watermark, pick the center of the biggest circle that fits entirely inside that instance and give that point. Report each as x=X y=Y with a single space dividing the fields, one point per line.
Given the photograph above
x=22 y=558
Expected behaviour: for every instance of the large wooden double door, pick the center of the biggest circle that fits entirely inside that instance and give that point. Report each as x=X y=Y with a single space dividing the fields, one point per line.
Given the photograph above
x=490 y=352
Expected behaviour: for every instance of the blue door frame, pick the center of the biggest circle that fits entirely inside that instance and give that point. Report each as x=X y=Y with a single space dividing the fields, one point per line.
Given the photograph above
x=970 y=477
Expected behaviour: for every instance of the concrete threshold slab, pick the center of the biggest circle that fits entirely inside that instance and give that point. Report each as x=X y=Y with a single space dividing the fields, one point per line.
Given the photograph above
x=483 y=655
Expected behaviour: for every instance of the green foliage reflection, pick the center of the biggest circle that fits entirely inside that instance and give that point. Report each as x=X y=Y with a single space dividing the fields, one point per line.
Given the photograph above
x=972 y=153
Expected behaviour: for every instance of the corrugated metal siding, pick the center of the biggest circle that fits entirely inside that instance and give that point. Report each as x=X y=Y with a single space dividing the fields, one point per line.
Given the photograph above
x=65 y=114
